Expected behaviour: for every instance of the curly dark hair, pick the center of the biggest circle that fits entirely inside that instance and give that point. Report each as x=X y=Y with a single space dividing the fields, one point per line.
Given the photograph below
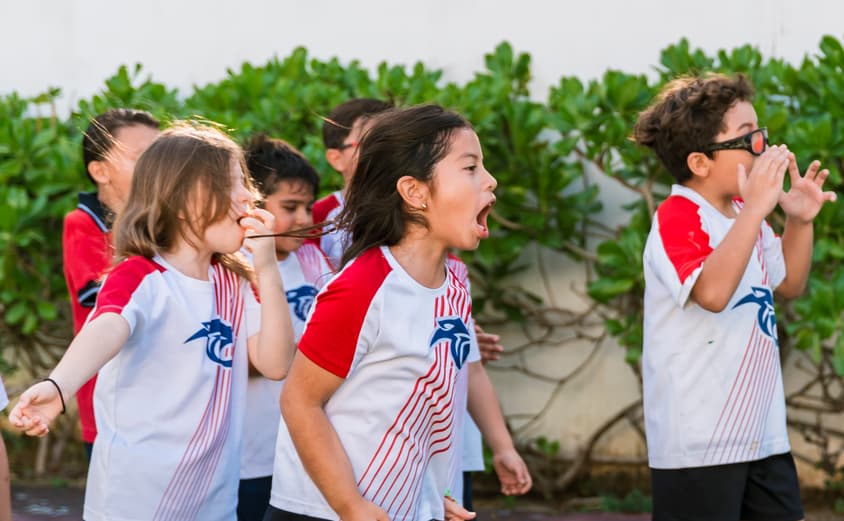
x=686 y=117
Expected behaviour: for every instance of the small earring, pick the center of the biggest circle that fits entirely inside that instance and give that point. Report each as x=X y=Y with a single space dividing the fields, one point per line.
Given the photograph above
x=424 y=206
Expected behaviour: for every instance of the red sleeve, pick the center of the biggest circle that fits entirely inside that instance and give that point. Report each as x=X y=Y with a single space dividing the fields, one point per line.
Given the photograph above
x=685 y=241
x=86 y=255
x=322 y=207
x=320 y=213
x=121 y=283
x=332 y=334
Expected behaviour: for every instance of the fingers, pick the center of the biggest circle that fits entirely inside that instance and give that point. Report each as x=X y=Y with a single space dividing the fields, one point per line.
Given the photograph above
x=455 y=512
x=830 y=196
x=259 y=221
x=812 y=171
x=794 y=170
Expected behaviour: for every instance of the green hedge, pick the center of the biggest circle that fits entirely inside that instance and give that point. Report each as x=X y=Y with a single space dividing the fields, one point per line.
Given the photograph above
x=538 y=150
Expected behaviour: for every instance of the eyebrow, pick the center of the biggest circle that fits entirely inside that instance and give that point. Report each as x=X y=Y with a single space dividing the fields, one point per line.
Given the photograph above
x=470 y=155
x=743 y=125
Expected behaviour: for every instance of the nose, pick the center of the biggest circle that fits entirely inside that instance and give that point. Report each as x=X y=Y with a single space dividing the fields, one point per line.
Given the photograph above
x=492 y=183
x=303 y=217
x=243 y=197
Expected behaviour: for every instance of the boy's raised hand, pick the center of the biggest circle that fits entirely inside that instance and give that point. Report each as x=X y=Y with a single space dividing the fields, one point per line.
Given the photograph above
x=761 y=188
x=805 y=198
x=37 y=408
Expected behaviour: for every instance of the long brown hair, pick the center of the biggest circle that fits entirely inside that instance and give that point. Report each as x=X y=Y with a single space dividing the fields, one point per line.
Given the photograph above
x=188 y=166
x=402 y=142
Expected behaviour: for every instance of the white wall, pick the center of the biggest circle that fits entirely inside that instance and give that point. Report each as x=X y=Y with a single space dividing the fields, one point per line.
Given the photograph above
x=75 y=44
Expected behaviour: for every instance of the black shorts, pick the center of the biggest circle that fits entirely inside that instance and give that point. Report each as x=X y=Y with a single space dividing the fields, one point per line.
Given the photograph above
x=275 y=514
x=763 y=490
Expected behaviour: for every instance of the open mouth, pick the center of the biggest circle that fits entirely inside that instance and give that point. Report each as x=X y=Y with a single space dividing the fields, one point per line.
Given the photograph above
x=481 y=219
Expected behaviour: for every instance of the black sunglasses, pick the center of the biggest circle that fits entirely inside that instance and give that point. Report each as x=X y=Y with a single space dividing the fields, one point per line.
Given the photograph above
x=755 y=142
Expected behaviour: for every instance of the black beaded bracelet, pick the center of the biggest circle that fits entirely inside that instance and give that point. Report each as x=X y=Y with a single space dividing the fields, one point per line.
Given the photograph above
x=59 y=389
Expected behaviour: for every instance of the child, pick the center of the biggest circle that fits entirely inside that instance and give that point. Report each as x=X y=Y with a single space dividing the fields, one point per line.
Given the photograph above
x=369 y=406
x=484 y=406
x=170 y=333
x=288 y=185
x=342 y=131
x=111 y=146
x=714 y=406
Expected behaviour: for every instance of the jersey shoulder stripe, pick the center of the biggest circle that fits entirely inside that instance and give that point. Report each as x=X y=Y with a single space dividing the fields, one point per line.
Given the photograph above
x=684 y=240
x=332 y=333
x=122 y=282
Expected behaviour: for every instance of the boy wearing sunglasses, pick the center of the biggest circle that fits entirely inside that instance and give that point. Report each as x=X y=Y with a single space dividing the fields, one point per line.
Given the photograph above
x=713 y=395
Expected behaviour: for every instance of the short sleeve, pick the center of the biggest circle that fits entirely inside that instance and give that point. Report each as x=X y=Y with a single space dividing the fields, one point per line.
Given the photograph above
x=678 y=246
x=122 y=291
x=85 y=252
x=346 y=315
x=774 y=259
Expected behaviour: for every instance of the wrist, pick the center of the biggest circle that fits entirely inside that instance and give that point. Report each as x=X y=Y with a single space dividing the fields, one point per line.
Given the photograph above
x=348 y=506
x=792 y=220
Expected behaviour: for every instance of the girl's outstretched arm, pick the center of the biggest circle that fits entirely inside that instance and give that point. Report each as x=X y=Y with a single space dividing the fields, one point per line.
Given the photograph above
x=306 y=391
x=271 y=349
x=97 y=343
x=483 y=406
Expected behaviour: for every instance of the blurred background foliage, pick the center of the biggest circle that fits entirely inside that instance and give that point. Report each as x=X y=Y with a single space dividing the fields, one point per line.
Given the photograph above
x=545 y=153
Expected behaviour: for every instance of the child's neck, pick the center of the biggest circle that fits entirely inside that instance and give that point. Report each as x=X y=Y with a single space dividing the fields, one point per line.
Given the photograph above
x=109 y=199
x=719 y=200
x=422 y=259
x=188 y=260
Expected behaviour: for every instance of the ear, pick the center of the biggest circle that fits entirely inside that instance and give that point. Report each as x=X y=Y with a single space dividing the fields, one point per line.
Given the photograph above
x=99 y=172
x=414 y=192
x=699 y=164
x=336 y=159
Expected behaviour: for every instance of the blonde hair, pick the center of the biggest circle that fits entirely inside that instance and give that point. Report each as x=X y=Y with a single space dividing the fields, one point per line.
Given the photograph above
x=188 y=166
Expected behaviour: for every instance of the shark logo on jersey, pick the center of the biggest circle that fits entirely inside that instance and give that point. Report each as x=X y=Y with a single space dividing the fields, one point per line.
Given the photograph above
x=219 y=336
x=301 y=299
x=765 y=317
x=454 y=330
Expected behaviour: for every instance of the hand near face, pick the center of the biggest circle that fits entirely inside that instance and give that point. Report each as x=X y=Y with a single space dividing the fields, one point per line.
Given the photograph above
x=761 y=187
x=806 y=197
x=260 y=222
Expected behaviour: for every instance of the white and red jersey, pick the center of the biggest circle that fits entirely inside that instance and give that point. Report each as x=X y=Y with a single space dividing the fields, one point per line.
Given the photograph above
x=169 y=405
x=401 y=348
x=304 y=272
x=335 y=242
x=713 y=390
x=470 y=453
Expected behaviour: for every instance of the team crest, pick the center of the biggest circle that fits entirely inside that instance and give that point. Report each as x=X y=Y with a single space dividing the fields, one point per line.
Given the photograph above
x=219 y=336
x=766 y=317
x=301 y=299
x=453 y=330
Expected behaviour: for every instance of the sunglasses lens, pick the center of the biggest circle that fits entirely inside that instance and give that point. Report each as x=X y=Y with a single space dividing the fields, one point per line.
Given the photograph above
x=757 y=142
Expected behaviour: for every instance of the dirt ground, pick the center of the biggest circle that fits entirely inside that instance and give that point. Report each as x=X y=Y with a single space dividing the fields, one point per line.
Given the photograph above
x=43 y=503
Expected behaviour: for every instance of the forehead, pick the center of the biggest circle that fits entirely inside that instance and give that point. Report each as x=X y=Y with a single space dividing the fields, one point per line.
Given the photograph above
x=464 y=142
x=739 y=119
x=292 y=188
x=136 y=137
